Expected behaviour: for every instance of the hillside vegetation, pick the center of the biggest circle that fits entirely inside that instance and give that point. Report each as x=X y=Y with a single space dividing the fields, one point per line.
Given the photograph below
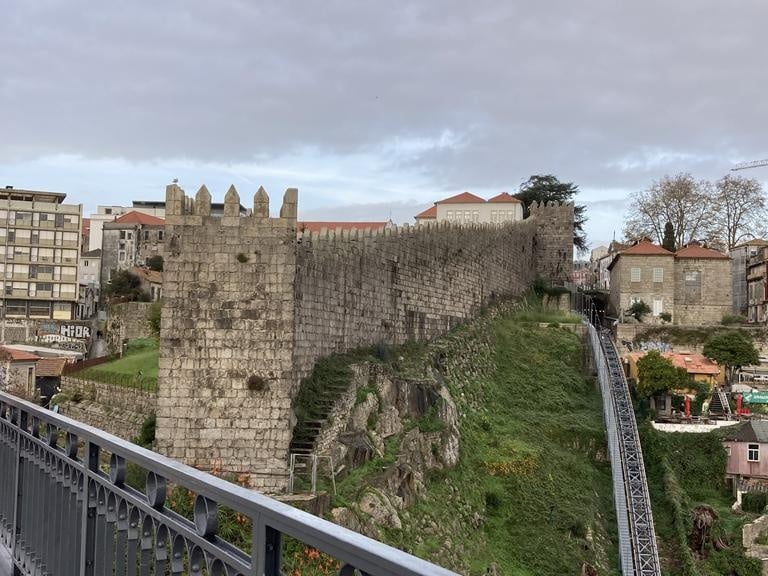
x=531 y=492
x=686 y=471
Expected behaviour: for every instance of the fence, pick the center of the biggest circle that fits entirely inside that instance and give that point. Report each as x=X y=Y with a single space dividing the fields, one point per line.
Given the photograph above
x=135 y=381
x=65 y=511
x=83 y=364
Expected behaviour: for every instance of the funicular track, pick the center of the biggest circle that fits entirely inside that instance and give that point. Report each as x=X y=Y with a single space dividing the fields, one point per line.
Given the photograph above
x=637 y=538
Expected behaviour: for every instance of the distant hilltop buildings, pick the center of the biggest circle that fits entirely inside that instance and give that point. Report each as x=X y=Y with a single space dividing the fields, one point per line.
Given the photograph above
x=468 y=208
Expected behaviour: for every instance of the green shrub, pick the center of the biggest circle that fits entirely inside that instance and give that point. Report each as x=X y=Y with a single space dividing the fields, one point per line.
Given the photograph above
x=754 y=502
x=666 y=316
x=731 y=319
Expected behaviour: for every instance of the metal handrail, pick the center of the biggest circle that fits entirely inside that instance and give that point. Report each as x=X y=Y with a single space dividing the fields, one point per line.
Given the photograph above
x=93 y=509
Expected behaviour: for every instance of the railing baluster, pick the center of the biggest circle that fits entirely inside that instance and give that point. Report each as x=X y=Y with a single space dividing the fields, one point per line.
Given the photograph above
x=88 y=525
x=122 y=538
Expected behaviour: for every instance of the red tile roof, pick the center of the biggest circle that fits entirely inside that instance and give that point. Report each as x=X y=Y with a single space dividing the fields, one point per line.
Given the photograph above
x=696 y=251
x=646 y=248
x=693 y=363
x=17 y=355
x=50 y=366
x=152 y=276
x=505 y=197
x=319 y=225
x=134 y=217
x=463 y=198
x=429 y=213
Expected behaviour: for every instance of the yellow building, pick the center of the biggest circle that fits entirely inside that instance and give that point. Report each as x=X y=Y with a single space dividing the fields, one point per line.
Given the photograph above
x=699 y=367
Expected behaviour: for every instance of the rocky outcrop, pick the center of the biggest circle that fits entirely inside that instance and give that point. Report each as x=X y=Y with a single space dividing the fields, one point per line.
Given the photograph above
x=412 y=424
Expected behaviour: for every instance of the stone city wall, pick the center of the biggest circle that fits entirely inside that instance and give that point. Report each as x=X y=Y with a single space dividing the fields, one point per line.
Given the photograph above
x=115 y=409
x=249 y=307
x=127 y=321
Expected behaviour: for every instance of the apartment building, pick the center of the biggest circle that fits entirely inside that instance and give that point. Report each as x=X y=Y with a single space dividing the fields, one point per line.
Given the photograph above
x=130 y=240
x=39 y=266
x=741 y=256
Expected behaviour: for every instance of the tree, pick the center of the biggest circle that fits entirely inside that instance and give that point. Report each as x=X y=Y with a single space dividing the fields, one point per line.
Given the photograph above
x=731 y=350
x=155 y=263
x=669 y=237
x=547 y=188
x=679 y=200
x=124 y=284
x=639 y=309
x=739 y=210
x=656 y=374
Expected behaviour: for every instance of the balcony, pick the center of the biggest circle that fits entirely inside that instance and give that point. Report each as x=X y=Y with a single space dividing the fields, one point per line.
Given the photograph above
x=66 y=504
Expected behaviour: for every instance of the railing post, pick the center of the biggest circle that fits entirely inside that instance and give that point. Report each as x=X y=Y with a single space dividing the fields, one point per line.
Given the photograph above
x=88 y=520
x=19 y=420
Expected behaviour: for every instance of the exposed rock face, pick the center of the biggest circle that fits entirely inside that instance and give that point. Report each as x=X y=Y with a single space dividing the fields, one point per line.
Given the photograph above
x=420 y=415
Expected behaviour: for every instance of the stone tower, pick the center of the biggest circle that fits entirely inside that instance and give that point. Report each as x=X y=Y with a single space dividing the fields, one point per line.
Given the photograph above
x=226 y=376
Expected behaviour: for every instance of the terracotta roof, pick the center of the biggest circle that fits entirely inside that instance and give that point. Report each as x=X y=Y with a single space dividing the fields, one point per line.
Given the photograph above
x=641 y=248
x=17 y=355
x=505 y=197
x=134 y=217
x=646 y=248
x=92 y=253
x=696 y=251
x=317 y=226
x=152 y=276
x=463 y=198
x=693 y=363
x=50 y=366
x=429 y=213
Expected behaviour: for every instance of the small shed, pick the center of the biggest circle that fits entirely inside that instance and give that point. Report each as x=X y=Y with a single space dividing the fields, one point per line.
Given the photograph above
x=48 y=378
x=747 y=450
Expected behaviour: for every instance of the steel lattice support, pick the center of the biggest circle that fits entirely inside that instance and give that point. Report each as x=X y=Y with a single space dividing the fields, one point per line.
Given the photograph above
x=637 y=538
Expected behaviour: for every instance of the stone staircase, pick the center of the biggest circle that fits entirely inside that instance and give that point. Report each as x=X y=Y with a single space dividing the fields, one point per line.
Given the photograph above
x=719 y=405
x=306 y=431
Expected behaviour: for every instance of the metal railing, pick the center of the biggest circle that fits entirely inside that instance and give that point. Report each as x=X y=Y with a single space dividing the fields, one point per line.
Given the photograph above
x=66 y=508
x=637 y=537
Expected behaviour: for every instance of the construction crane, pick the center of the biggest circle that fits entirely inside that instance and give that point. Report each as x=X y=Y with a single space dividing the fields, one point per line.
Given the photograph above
x=753 y=164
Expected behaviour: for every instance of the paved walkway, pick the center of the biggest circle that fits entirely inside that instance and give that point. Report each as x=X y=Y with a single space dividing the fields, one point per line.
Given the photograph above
x=6 y=568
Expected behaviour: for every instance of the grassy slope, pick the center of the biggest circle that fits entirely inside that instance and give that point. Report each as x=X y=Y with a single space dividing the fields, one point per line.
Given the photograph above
x=531 y=467
x=141 y=355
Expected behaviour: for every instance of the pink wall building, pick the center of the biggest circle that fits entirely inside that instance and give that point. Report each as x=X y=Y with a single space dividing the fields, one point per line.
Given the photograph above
x=747 y=450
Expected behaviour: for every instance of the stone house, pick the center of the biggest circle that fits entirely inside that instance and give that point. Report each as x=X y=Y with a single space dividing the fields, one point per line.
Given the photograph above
x=48 y=374
x=692 y=285
x=469 y=208
x=17 y=370
x=702 y=286
x=130 y=240
x=757 y=286
x=151 y=282
x=643 y=272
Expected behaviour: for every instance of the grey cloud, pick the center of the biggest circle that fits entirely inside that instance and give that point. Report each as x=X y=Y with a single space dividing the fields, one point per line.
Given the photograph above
x=570 y=88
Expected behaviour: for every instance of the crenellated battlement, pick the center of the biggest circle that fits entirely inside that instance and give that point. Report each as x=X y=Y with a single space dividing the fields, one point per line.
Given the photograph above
x=181 y=209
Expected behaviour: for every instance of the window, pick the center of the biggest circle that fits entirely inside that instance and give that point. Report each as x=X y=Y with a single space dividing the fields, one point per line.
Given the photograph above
x=728 y=451
x=658 y=274
x=121 y=256
x=86 y=263
x=107 y=210
x=44 y=216
x=753 y=452
x=160 y=236
x=663 y=402
x=59 y=220
x=449 y=214
x=11 y=235
x=129 y=235
x=146 y=235
x=635 y=275
x=45 y=287
x=658 y=306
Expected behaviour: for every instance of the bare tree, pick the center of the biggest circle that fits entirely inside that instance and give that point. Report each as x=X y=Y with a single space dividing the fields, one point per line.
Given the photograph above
x=678 y=199
x=739 y=211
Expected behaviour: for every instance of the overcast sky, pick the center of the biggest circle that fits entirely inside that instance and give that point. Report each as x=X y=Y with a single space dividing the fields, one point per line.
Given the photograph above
x=377 y=109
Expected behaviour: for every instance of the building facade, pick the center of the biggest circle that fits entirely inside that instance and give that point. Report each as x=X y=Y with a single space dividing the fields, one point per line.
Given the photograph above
x=643 y=272
x=131 y=240
x=757 y=286
x=469 y=208
x=692 y=285
x=740 y=256
x=40 y=236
